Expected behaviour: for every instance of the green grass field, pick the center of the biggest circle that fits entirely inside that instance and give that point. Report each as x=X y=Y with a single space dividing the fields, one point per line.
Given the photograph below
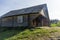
x=29 y=34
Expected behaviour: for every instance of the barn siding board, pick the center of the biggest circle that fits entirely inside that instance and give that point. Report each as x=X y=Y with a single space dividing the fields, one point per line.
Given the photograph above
x=32 y=17
x=7 y=22
x=25 y=21
x=13 y=22
x=45 y=22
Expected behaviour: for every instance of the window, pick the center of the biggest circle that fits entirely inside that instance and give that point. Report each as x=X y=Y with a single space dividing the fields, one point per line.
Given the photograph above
x=20 y=19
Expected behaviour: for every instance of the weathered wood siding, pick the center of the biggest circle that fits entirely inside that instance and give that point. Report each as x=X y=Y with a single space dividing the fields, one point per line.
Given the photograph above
x=32 y=17
x=45 y=22
x=7 y=22
x=13 y=21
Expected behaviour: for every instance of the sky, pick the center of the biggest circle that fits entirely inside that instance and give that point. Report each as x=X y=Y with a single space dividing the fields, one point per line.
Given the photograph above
x=53 y=6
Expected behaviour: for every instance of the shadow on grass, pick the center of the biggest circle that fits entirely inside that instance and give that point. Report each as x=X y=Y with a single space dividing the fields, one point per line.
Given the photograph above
x=6 y=33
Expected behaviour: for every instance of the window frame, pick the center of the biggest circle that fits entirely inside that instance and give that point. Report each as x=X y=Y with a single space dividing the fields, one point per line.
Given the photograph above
x=21 y=19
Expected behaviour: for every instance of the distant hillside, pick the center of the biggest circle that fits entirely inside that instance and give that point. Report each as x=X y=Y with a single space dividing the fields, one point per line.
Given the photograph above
x=43 y=33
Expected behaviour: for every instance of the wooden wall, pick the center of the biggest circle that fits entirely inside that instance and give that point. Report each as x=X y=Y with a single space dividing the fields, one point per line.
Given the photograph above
x=32 y=17
x=43 y=21
x=13 y=21
x=6 y=21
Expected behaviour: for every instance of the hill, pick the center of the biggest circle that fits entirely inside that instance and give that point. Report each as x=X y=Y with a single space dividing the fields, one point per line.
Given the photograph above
x=41 y=33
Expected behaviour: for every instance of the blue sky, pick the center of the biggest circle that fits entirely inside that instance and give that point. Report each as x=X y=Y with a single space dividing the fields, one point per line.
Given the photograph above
x=53 y=6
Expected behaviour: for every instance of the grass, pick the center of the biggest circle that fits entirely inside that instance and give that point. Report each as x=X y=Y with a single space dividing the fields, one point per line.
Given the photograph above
x=28 y=34
x=53 y=25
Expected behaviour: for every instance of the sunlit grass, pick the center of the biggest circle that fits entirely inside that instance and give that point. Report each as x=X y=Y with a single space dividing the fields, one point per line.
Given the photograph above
x=28 y=34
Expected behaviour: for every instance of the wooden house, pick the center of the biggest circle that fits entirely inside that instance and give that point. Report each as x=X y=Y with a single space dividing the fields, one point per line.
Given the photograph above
x=31 y=17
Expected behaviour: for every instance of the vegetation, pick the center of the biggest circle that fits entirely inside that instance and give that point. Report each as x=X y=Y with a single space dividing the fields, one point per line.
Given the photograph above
x=27 y=34
x=55 y=24
x=58 y=24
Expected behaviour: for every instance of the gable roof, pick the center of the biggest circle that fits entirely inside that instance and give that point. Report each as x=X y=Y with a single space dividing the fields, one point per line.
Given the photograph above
x=25 y=10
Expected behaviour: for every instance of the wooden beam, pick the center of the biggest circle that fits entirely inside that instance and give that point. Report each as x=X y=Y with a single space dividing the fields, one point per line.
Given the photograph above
x=28 y=20
x=42 y=22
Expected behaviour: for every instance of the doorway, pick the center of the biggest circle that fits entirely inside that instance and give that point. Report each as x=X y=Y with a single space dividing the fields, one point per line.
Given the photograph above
x=37 y=21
